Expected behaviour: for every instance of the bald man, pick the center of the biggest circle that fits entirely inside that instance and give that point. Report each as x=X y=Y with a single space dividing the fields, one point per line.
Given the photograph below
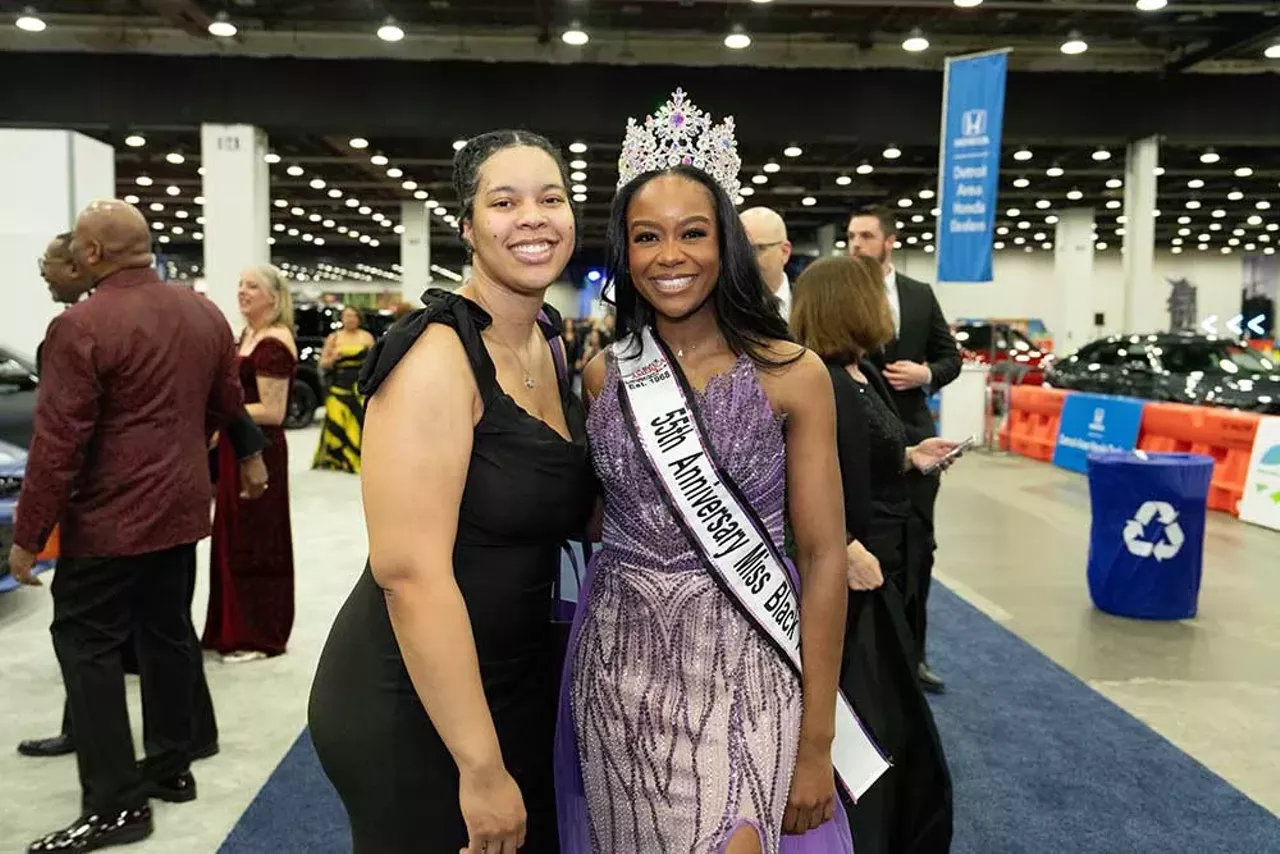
x=118 y=460
x=768 y=234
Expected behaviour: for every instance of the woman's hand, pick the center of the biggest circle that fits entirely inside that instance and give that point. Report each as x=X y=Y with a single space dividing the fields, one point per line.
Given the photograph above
x=929 y=452
x=812 y=800
x=493 y=810
x=864 y=568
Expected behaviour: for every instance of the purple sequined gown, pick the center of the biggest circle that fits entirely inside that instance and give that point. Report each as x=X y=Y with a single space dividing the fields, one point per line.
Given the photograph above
x=686 y=722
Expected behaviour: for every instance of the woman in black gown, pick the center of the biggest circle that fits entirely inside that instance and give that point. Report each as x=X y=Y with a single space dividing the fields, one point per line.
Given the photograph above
x=433 y=708
x=841 y=312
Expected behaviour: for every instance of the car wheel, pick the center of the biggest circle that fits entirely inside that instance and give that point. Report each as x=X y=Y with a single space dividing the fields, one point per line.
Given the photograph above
x=302 y=406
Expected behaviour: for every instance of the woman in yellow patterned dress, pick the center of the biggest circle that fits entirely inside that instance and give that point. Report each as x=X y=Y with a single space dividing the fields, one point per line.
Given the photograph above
x=341 y=359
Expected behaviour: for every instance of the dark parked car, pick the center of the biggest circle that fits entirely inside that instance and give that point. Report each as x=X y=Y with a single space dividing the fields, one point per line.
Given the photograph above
x=1176 y=368
x=18 y=382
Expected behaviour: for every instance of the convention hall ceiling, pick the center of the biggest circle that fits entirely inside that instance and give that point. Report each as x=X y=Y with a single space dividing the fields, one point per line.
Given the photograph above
x=1183 y=35
x=331 y=198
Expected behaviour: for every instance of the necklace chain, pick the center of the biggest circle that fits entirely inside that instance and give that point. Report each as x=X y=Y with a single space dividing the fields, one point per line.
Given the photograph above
x=529 y=382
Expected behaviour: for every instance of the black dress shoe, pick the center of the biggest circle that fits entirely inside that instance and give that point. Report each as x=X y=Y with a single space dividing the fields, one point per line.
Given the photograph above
x=178 y=789
x=930 y=682
x=91 y=832
x=58 y=745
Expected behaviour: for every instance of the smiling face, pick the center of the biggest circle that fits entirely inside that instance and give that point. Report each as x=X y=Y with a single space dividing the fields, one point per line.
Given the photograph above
x=673 y=245
x=255 y=296
x=522 y=229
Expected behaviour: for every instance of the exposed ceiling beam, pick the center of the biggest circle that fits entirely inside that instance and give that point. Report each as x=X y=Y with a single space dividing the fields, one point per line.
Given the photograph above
x=186 y=15
x=1239 y=40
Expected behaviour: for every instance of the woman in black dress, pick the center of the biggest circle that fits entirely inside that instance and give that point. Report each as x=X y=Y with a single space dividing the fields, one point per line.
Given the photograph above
x=841 y=312
x=433 y=708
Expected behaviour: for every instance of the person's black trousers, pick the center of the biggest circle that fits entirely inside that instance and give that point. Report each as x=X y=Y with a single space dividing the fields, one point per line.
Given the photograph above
x=99 y=605
x=923 y=490
x=204 y=733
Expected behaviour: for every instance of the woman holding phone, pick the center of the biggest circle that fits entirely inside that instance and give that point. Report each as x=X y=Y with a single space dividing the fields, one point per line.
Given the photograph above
x=840 y=312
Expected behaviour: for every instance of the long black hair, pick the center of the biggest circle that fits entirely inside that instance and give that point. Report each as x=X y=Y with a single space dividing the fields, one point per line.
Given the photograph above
x=746 y=312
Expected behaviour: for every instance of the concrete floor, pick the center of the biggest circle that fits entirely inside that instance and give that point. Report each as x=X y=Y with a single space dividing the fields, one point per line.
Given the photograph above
x=1013 y=540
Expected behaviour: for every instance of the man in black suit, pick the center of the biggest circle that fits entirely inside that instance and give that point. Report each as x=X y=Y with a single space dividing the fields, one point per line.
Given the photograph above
x=921 y=359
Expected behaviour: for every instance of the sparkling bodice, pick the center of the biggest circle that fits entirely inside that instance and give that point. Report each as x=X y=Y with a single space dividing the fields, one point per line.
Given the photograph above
x=747 y=438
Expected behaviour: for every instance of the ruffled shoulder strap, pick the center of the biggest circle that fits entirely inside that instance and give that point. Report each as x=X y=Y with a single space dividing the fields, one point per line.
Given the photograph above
x=440 y=306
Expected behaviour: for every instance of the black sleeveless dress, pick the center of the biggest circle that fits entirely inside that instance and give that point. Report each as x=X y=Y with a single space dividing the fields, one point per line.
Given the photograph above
x=527 y=491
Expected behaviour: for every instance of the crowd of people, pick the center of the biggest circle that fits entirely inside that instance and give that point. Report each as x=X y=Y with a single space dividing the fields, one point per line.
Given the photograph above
x=750 y=464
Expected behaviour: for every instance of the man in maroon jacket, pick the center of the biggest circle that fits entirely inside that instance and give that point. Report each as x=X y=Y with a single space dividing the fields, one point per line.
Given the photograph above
x=118 y=458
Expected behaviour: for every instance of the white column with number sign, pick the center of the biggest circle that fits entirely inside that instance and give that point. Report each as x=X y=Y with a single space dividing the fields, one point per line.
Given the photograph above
x=237 y=210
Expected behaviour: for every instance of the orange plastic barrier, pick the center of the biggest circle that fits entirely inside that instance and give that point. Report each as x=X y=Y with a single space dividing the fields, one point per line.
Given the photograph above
x=1224 y=434
x=1032 y=426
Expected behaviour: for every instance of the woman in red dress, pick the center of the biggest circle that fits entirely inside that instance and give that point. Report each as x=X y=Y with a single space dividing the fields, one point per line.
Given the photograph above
x=251 y=567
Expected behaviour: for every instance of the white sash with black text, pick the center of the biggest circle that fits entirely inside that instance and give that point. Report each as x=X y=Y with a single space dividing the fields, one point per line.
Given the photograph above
x=734 y=543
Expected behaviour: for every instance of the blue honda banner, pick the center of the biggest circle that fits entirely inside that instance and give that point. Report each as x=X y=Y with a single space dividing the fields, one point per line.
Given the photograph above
x=1095 y=423
x=969 y=171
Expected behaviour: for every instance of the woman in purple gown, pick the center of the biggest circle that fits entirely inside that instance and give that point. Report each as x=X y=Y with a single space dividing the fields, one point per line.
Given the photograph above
x=682 y=729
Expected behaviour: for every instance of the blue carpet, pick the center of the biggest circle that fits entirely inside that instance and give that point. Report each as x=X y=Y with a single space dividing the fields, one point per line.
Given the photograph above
x=1042 y=764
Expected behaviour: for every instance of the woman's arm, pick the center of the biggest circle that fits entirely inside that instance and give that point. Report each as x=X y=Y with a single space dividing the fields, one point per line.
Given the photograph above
x=414 y=467
x=816 y=513
x=273 y=405
x=329 y=355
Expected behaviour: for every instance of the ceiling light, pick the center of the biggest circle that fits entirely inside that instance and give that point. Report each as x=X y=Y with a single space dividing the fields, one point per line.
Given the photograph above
x=271 y=157
x=1074 y=45
x=1114 y=183
x=967 y=4
x=164 y=238
x=328 y=223
x=222 y=27
x=579 y=188
x=1254 y=220
x=1263 y=205
x=1158 y=171
x=844 y=180
x=1195 y=184
x=1210 y=156
x=1177 y=250
x=132 y=199
x=578 y=147
x=1113 y=204
x=1101 y=154
x=379 y=160
x=771 y=167
x=315 y=217
x=143 y=181
x=1151 y=5
x=1023 y=154
x=926 y=193
x=746 y=191
x=1075 y=195
x=1235 y=196
x=1054 y=171
x=892 y=153
x=580 y=197
x=1013 y=213
x=317 y=184
x=737 y=39
x=421 y=194
x=353 y=203
x=390 y=31
x=156 y=206
x=335 y=193
x=399 y=229
x=915 y=42
x=759 y=179
x=1101 y=247
x=172 y=190
x=1244 y=172
x=578 y=176
x=904 y=203
x=1272 y=52
x=135 y=140
x=1021 y=183
x=808 y=201
x=365 y=210
x=792 y=151
x=158 y=226
x=440 y=210
x=177 y=229
x=919 y=218
x=319 y=241
x=578 y=164
x=358 y=142
x=297 y=211
x=296 y=171
x=575 y=35
x=30 y=21
x=175 y=158
x=1193 y=204
x=865 y=168
x=395 y=172
x=1219 y=213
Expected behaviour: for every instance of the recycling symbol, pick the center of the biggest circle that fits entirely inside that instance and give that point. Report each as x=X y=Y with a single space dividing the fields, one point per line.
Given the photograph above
x=1135 y=529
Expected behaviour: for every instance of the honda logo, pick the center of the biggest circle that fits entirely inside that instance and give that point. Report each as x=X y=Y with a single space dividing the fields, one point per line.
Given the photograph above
x=973 y=122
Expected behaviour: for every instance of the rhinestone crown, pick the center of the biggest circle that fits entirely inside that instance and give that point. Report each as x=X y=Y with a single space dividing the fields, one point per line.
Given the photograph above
x=680 y=133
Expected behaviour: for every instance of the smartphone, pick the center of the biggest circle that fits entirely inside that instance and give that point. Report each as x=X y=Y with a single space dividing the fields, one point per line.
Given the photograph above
x=952 y=454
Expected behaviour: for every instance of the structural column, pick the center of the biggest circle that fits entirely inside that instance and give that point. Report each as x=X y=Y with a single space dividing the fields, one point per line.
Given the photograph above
x=1073 y=279
x=826 y=240
x=415 y=251
x=1140 y=310
x=237 y=211
x=46 y=178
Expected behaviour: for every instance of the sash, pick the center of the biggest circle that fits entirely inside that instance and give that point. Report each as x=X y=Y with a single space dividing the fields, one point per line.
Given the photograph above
x=658 y=409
